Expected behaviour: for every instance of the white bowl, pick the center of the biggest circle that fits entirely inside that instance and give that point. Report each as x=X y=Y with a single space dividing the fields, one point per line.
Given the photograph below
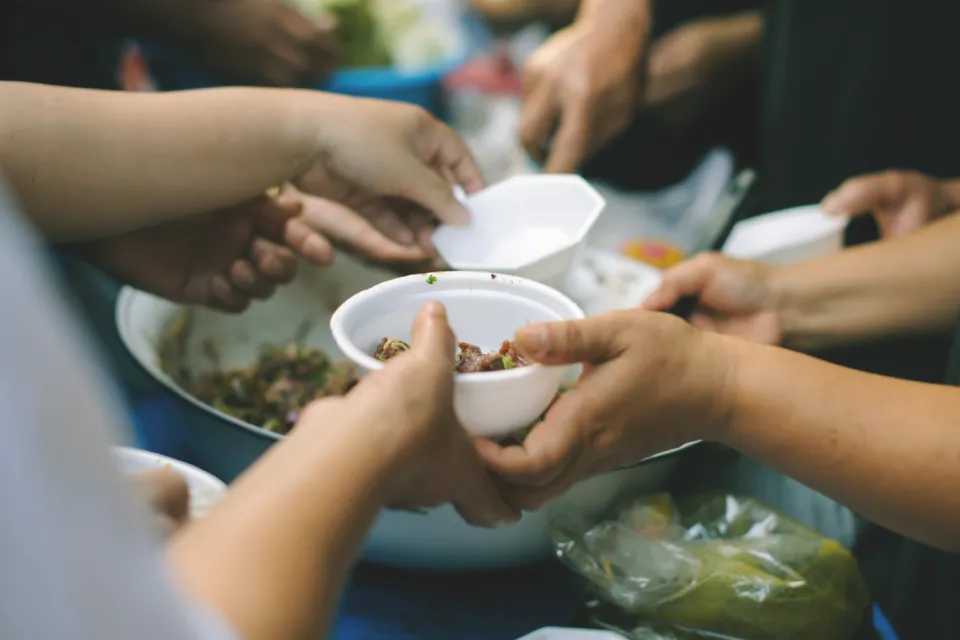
x=226 y=446
x=788 y=236
x=205 y=490
x=529 y=225
x=483 y=309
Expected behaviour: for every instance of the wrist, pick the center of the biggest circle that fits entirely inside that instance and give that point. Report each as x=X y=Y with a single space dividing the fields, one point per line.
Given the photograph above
x=718 y=358
x=629 y=16
x=304 y=128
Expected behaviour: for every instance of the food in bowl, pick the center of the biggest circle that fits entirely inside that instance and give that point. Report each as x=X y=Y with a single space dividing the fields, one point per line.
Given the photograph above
x=470 y=358
x=271 y=391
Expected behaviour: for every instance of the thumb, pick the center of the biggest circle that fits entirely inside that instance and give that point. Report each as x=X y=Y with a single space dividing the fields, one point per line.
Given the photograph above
x=594 y=340
x=684 y=280
x=432 y=338
x=863 y=194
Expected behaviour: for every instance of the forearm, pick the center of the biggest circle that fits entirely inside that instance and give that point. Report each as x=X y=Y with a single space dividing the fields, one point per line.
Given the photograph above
x=272 y=557
x=906 y=285
x=87 y=163
x=886 y=448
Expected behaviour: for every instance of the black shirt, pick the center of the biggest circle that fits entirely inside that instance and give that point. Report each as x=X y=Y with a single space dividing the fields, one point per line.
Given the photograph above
x=855 y=86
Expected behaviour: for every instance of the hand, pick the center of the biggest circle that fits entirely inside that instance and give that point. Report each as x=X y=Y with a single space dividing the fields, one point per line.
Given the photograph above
x=168 y=497
x=651 y=382
x=408 y=408
x=736 y=297
x=691 y=65
x=369 y=227
x=265 y=42
x=393 y=158
x=222 y=259
x=901 y=201
x=582 y=85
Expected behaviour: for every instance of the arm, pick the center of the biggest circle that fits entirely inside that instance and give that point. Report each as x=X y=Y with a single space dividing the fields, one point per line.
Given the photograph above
x=165 y=155
x=905 y=285
x=884 y=447
x=289 y=585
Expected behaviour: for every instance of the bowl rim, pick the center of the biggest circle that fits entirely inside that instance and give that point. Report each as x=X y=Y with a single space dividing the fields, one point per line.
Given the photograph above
x=184 y=468
x=128 y=295
x=362 y=359
x=599 y=204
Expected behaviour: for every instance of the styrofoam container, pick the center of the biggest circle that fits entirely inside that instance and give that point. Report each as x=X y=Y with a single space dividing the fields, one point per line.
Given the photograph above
x=483 y=309
x=205 y=489
x=531 y=226
x=788 y=236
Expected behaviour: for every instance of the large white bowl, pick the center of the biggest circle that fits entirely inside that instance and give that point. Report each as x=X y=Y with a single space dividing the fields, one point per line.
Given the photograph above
x=225 y=446
x=484 y=309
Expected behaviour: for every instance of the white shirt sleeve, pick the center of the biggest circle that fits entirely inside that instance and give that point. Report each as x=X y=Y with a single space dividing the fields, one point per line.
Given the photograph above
x=77 y=559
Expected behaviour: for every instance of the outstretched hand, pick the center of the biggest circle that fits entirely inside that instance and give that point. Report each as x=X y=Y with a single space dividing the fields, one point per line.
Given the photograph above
x=223 y=259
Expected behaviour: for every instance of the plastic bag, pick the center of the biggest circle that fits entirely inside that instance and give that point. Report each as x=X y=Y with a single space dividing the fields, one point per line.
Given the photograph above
x=714 y=566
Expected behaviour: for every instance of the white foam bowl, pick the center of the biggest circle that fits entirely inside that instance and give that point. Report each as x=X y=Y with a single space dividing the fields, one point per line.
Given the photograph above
x=787 y=237
x=205 y=489
x=529 y=225
x=483 y=309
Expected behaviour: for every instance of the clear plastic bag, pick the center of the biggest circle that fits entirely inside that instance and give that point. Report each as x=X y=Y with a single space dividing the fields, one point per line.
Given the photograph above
x=714 y=566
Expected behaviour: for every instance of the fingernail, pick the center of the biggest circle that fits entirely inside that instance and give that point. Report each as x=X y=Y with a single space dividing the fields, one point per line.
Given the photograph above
x=434 y=308
x=535 y=339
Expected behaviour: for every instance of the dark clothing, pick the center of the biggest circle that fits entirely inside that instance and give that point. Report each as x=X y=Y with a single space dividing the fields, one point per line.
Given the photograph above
x=651 y=155
x=57 y=42
x=850 y=87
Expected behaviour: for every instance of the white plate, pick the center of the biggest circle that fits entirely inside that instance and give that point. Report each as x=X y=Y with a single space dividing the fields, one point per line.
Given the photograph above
x=205 y=489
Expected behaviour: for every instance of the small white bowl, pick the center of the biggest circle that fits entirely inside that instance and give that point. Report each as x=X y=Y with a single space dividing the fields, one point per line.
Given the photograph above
x=484 y=309
x=787 y=237
x=205 y=489
x=529 y=225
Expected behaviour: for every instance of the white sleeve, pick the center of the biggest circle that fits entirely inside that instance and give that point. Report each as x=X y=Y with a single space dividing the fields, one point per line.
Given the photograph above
x=77 y=559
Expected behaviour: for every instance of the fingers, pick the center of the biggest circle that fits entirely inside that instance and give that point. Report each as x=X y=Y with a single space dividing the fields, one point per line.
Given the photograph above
x=427 y=188
x=593 y=340
x=166 y=492
x=863 y=194
x=537 y=120
x=308 y=243
x=432 y=339
x=481 y=504
x=687 y=279
x=456 y=160
x=348 y=228
x=571 y=145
